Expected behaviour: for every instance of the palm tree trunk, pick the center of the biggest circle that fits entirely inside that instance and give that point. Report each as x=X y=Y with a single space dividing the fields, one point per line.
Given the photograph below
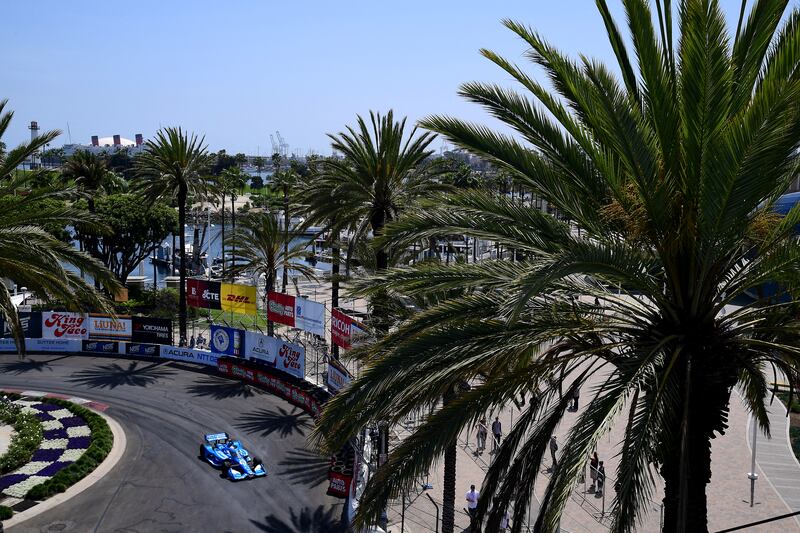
x=233 y=229
x=223 y=236
x=182 y=242
x=270 y=287
x=285 y=236
x=449 y=483
x=336 y=254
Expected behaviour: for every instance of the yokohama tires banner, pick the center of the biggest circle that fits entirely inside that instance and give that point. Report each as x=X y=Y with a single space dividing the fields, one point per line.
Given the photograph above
x=151 y=330
x=63 y=325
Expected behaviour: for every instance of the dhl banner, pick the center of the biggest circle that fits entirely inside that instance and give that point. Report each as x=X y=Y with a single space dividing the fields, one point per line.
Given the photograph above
x=238 y=298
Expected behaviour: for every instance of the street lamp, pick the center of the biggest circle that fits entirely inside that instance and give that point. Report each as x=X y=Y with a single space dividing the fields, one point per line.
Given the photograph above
x=752 y=475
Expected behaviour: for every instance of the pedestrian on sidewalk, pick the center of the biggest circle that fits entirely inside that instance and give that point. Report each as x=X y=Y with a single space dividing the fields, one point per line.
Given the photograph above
x=504 y=522
x=553 y=450
x=576 y=394
x=483 y=431
x=594 y=464
x=497 y=432
x=601 y=480
x=472 y=505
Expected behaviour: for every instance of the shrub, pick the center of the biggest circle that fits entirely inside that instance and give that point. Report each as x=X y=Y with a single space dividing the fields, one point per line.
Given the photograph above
x=101 y=444
x=26 y=440
x=6 y=512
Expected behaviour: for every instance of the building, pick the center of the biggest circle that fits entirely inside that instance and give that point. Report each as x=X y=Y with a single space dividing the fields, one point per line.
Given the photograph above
x=105 y=145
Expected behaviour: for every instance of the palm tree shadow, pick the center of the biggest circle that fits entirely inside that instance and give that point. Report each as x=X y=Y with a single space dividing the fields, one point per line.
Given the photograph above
x=267 y=422
x=114 y=375
x=221 y=389
x=318 y=521
x=305 y=467
x=21 y=366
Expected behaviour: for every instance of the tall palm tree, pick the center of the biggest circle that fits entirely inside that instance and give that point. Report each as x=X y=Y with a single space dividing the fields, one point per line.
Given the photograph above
x=670 y=173
x=260 y=243
x=170 y=168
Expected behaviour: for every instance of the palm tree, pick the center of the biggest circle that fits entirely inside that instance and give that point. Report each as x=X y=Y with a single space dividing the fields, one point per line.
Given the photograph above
x=170 y=168
x=260 y=243
x=92 y=177
x=670 y=173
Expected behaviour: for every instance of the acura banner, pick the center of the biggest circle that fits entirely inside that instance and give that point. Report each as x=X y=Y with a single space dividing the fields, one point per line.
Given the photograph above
x=189 y=355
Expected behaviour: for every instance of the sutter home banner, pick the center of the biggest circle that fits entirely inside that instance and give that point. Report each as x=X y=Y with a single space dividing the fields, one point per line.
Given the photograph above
x=107 y=327
x=203 y=293
x=64 y=325
x=43 y=345
x=31 y=326
x=227 y=341
x=238 y=298
x=189 y=355
x=296 y=312
x=151 y=330
x=260 y=347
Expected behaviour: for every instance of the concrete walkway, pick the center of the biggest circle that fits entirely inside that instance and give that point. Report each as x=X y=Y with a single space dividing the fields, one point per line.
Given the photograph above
x=6 y=433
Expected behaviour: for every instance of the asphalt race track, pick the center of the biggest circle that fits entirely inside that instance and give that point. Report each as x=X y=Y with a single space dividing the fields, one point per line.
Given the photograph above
x=160 y=484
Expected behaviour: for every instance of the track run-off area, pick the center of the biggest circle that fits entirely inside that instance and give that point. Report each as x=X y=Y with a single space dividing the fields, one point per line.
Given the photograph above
x=160 y=484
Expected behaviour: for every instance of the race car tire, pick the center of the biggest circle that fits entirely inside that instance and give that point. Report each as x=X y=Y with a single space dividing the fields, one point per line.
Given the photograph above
x=202 y=452
x=256 y=461
x=226 y=463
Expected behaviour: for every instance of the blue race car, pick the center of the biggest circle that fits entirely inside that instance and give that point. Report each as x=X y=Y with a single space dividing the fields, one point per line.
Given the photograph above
x=220 y=451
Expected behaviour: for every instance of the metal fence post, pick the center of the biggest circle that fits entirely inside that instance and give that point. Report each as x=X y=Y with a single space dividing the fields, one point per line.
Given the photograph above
x=437 y=510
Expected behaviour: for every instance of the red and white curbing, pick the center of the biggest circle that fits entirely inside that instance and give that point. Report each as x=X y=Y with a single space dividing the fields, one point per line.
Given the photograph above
x=96 y=406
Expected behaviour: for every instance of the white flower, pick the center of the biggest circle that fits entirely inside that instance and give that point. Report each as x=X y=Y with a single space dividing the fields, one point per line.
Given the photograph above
x=19 y=490
x=61 y=413
x=54 y=444
x=71 y=455
x=51 y=424
x=32 y=467
x=79 y=431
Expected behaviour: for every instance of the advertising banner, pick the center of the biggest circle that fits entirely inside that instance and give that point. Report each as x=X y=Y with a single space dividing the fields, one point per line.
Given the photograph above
x=53 y=345
x=290 y=358
x=203 y=293
x=31 y=326
x=227 y=341
x=261 y=347
x=140 y=349
x=337 y=377
x=188 y=355
x=309 y=316
x=106 y=327
x=8 y=345
x=280 y=308
x=339 y=484
x=341 y=329
x=108 y=347
x=151 y=330
x=63 y=325
x=238 y=298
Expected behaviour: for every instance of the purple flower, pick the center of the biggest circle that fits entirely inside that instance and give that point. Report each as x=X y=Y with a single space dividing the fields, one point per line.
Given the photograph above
x=44 y=417
x=76 y=443
x=12 y=479
x=52 y=434
x=72 y=421
x=46 y=455
x=51 y=470
x=47 y=407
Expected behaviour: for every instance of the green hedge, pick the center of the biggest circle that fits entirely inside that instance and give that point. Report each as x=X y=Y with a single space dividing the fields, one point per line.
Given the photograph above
x=102 y=441
x=6 y=512
x=26 y=440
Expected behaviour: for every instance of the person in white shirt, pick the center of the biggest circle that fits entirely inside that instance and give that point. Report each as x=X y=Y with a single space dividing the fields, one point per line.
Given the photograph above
x=472 y=505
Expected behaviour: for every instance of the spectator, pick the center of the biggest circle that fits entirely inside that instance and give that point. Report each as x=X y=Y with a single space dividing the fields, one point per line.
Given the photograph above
x=191 y=341
x=504 y=522
x=601 y=479
x=483 y=431
x=472 y=505
x=553 y=450
x=497 y=432
x=576 y=394
x=594 y=464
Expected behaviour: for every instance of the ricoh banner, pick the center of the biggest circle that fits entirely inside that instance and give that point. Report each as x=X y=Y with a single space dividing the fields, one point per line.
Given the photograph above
x=189 y=355
x=106 y=327
x=64 y=325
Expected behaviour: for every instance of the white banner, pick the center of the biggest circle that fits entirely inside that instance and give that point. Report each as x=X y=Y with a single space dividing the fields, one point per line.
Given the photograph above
x=106 y=327
x=53 y=345
x=63 y=325
x=189 y=355
x=260 y=346
x=309 y=316
x=336 y=379
x=291 y=358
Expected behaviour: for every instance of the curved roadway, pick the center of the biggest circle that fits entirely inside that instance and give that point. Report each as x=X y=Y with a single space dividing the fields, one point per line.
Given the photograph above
x=160 y=485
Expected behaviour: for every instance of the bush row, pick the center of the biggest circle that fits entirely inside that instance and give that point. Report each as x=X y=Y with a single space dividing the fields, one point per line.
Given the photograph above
x=101 y=443
x=6 y=512
x=26 y=440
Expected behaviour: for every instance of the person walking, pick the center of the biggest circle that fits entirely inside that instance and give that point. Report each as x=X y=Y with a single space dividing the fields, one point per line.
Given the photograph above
x=472 y=505
x=504 y=522
x=601 y=479
x=497 y=432
x=576 y=394
x=594 y=464
x=483 y=431
x=553 y=450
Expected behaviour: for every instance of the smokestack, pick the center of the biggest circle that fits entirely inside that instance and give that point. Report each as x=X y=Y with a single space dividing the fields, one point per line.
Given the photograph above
x=139 y=139
x=117 y=142
x=95 y=140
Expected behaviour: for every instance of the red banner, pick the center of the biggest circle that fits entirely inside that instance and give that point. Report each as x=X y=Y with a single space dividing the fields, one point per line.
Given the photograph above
x=280 y=308
x=341 y=328
x=203 y=293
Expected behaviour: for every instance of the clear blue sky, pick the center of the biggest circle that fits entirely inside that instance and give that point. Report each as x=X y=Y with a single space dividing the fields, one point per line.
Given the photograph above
x=239 y=70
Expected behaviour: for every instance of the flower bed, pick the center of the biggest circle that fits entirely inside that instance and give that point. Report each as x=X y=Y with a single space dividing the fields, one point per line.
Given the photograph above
x=26 y=440
x=74 y=440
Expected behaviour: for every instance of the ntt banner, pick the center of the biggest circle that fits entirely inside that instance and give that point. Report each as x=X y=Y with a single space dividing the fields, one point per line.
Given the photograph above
x=189 y=355
x=106 y=327
x=240 y=299
x=300 y=313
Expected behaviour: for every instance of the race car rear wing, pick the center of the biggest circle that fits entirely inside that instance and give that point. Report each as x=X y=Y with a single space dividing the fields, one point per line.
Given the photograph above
x=214 y=437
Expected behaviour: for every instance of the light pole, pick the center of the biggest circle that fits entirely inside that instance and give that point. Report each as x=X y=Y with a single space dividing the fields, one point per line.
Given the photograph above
x=752 y=475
